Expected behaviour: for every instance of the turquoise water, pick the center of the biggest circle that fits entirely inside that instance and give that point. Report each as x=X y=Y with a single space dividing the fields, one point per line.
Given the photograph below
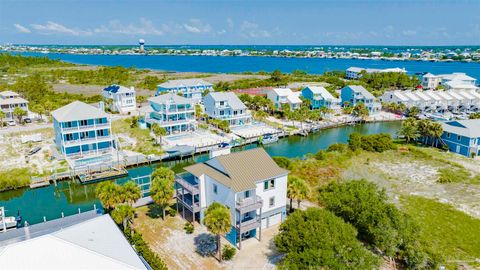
x=230 y=64
x=69 y=196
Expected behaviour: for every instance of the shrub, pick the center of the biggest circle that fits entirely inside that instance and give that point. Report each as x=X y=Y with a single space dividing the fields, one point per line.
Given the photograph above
x=283 y=162
x=144 y=250
x=228 y=252
x=189 y=228
x=14 y=178
x=337 y=147
x=320 y=155
x=449 y=175
x=372 y=143
x=172 y=211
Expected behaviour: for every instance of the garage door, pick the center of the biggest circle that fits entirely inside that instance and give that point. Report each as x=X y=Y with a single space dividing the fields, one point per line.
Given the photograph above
x=264 y=223
x=275 y=219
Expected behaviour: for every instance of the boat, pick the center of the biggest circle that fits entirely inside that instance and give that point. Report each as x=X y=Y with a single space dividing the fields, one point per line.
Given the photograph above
x=268 y=138
x=10 y=222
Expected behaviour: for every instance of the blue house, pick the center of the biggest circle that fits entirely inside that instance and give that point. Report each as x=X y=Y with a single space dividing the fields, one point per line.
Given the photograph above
x=83 y=134
x=189 y=88
x=354 y=94
x=462 y=136
x=227 y=106
x=174 y=113
x=319 y=97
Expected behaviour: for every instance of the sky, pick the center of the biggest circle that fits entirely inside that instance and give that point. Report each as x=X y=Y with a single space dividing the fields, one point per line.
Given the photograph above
x=237 y=22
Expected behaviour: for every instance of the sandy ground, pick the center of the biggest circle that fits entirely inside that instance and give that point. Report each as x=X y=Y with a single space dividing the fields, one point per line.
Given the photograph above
x=400 y=176
x=198 y=138
x=253 y=130
x=168 y=239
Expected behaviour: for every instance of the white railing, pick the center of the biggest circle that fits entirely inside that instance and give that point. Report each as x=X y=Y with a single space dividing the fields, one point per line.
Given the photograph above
x=85 y=140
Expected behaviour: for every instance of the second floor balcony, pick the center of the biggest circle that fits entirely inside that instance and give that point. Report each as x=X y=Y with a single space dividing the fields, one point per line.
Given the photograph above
x=249 y=204
x=87 y=140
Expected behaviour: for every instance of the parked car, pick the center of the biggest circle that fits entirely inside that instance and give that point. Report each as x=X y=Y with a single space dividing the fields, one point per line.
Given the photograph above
x=27 y=120
x=12 y=123
x=34 y=150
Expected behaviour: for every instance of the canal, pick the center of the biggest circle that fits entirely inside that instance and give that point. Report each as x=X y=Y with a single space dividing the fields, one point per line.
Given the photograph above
x=70 y=196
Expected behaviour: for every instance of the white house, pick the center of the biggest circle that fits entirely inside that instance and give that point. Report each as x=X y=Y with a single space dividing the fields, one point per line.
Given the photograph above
x=123 y=98
x=189 y=88
x=280 y=96
x=454 y=81
x=174 y=113
x=353 y=73
x=9 y=101
x=227 y=106
x=249 y=183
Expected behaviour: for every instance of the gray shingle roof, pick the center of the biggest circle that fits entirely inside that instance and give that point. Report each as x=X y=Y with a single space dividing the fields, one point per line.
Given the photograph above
x=77 y=110
x=232 y=99
x=468 y=128
x=242 y=170
x=361 y=89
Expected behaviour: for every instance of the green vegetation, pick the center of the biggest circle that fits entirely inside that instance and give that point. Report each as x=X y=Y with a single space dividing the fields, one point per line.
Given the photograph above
x=377 y=83
x=14 y=179
x=372 y=143
x=297 y=189
x=379 y=223
x=189 y=228
x=145 y=144
x=11 y=64
x=429 y=131
x=159 y=132
x=317 y=239
x=457 y=175
x=151 y=82
x=218 y=221
x=162 y=191
x=221 y=124
x=144 y=249
x=112 y=195
x=228 y=252
x=451 y=235
x=475 y=115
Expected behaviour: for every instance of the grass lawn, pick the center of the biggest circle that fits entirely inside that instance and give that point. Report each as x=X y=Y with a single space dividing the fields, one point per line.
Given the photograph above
x=453 y=235
x=145 y=144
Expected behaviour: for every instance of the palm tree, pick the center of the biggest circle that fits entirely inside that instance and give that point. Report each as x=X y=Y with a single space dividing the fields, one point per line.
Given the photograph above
x=19 y=113
x=39 y=109
x=198 y=111
x=162 y=191
x=2 y=116
x=131 y=192
x=423 y=126
x=435 y=130
x=134 y=121
x=409 y=130
x=218 y=221
x=297 y=189
x=109 y=194
x=360 y=111
x=413 y=111
x=158 y=131
x=123 y=214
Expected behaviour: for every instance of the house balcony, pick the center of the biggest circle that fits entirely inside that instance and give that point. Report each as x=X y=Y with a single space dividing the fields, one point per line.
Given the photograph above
x=188 y=182
x=188 y=202
x=248 y=224
x=85 y=127
x=92 y=153
x=249 y=204
x=98 y=139
x=170 y=123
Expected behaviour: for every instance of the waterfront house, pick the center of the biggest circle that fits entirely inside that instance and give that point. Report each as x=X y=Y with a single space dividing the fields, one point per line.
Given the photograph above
x=9 y=101
x=249 y=183
x=227 y=106
x=83 y=134
x=462 y=136
x=353 y=73
x=123 y=98
x=174 y=113
x=455 y=81
x=189 y=88
x=280 y=96
x=320 y=97
x=355 y=94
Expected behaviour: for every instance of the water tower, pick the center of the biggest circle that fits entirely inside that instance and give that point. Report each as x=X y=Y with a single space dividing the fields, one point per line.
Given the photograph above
x=141 y=42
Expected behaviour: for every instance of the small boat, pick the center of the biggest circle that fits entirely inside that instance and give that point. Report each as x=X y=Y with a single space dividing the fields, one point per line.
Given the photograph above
x=268 y=138
x=10 y=222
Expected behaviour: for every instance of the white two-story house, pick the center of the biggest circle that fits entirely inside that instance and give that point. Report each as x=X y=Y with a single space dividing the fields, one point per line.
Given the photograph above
x=227 y=106
x=123 y=98
x=249 y=183
x=280 y=96
x=174 y=113
x=9 y=101
x=189 y=88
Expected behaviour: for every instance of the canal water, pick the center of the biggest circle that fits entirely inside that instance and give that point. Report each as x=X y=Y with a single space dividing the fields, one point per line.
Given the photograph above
x=70 y=196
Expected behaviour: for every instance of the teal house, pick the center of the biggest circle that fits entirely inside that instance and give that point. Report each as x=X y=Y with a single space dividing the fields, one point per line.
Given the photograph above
x=320 y=97
x=354 y=94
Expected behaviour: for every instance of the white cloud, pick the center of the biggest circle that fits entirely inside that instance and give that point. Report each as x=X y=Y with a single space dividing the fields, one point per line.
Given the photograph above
x=197 y=26
x=22 y=29
x=252 y=30
x=145 y=27
x=56 y=28
x=409 y=32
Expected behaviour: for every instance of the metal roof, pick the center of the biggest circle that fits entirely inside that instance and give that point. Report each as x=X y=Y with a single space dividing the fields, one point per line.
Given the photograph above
x=184 y=83
x=241 y=170
x=231 y=98
x=362 y=90
x=170 y=98
x=321 y=91
x=468 y=128
x=77 y=110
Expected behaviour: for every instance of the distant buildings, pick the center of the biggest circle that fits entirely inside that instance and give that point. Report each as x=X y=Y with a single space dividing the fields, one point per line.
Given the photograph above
x=462 y=136
x=435 y=101
x=280 y=96
x=227 y=106
x=454 y=81
x=96 y=243
x=249 y=183
x=189 y=88
x=9 y=101
x=123 y=98
x=354 y=94
x=320 y=97
x=354 y=73
x=174 y=113
x=83 y=134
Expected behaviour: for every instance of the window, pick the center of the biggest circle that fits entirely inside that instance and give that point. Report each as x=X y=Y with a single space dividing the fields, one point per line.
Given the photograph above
x=83 y=122
x=247 y=193
x=269 y=184
x=215 y=189
x=222 y=103
x=448 y=135
x=271 y=202
x=459 y=137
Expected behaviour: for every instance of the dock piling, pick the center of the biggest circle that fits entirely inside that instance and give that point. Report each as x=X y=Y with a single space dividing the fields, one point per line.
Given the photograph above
x=63 y=215
x=44 y=219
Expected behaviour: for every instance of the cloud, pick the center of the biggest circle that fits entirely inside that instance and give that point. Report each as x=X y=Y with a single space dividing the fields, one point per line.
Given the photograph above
x=22 y=29
x=145 y=27
x=197 y=26
x=56 y=28
x=409 y=32
x=230 y=23
x=252 y=30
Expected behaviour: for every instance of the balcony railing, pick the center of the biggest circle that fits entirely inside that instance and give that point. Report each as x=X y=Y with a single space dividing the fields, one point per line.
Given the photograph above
x=97 y=125
x=248 y=224
x=188 y=203
x=188 y=185
x=87 y=140
x=249 y=204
